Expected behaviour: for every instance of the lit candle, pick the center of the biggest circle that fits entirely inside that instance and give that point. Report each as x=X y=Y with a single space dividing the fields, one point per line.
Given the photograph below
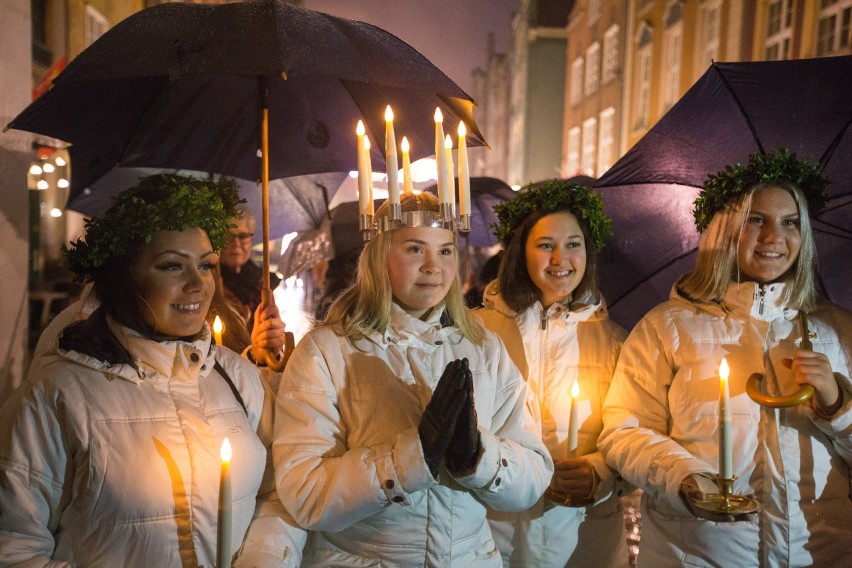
x=363 y=175
x=440 y=160
x=223 y=554
x=390 y=158
x=725 y=457
x=218 y=328
x=574 y=419
x=450 y=182
x=369 y=169
x=464 y=174
x=407 y=184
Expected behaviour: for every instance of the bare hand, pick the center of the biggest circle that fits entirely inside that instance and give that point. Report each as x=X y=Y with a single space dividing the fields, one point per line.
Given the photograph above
x=812 y=368
x=267 y=334
x=694 y=488
x=572 y=482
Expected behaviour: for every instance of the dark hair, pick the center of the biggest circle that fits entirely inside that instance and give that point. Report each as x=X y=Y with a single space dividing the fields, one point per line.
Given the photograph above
x=516 y=287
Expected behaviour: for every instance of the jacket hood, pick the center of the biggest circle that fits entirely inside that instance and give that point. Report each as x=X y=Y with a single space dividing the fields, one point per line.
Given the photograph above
x=406 y=329
x=588 y=308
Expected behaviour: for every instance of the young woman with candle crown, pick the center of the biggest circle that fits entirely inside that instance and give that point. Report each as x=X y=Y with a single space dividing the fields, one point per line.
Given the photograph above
x=742 y=302
x=546 y=307
x=109 y=454
x=399 y=418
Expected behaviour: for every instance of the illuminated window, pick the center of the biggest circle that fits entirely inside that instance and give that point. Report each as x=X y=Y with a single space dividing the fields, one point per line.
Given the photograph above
x=573 y=160
x=778 y=30
x=833 y=28
x=577 y=81
x=96 y=25
x=673 y=38
x=606 y=143
x=610 y=55
x=593 y=63
x=587 y=164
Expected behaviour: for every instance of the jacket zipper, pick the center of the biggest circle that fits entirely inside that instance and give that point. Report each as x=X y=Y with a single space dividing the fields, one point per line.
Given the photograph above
x=543 y=319
x=762 y=294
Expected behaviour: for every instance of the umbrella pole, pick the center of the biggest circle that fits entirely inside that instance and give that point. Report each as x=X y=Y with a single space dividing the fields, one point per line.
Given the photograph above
x=275 y=361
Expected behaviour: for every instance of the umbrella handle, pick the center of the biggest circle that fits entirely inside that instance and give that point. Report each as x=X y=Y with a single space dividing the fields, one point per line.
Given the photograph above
x=278 y=361
x=799 y=397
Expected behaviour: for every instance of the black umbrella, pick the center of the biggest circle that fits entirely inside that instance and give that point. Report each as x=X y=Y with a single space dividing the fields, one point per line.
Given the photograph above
x=485 y=193
x=734 y=110
x=250 y=89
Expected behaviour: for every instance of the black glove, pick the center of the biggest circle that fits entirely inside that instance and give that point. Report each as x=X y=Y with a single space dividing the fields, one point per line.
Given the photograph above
x=439 y=418
x=464 y=448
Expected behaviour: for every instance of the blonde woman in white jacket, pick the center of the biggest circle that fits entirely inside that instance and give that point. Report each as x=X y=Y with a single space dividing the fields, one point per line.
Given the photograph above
x=754 y=275
x=399 y=418
x=109 y=454
x=546 y=307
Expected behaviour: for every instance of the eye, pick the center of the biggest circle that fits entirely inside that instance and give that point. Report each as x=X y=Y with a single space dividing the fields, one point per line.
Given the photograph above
x=415 y=249
x=575 y=244
x=791 y=222
x=207 y=266
x=446 y=251
x=545 y=246
x=168 y=266
x=755 y=219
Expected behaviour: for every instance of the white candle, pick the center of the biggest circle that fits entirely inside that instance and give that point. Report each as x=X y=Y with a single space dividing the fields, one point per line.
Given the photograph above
x=369 y=169
x=440 y=160
x=464 y=173
x=450 y=181
x=725 y=456
x=407 y=184
x=218 y=328
x=574 y=419
x=390 y=158
x=364 y=182
x=223 y=554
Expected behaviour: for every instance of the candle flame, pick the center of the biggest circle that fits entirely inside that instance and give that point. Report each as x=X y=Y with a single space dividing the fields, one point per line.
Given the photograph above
x=448 y=142
x=366 y=142
x=404 y=145
x=724 y=370
x=226 y=451
x=439 y=117
x=575 y=389
x=360 y=130
x=388 y=114
x=462 y=129
x=217 y=325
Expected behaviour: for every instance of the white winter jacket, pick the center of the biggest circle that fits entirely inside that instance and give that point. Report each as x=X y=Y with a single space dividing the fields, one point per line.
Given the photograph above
x=661 y=425
x=557 y=347
x=118 y=464
x=348 y=459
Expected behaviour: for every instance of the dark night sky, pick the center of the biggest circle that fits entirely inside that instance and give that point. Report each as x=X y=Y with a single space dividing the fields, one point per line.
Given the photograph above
x=453 y=34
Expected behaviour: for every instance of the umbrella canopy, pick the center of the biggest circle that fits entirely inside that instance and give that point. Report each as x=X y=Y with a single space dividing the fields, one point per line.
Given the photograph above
x=485 y=193
x=734 y=110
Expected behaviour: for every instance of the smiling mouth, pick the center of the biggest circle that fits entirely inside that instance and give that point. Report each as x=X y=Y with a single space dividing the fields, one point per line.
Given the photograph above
x=560 y=273
x=768 y=255
x=187 y=307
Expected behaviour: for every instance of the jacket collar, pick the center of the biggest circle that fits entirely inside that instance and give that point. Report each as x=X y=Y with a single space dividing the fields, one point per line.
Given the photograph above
x=406 y=329
x=587 y=308
x=758 y=301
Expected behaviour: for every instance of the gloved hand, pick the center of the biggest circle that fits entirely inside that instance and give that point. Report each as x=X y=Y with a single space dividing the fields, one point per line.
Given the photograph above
x=463 y=451
x=439 y=418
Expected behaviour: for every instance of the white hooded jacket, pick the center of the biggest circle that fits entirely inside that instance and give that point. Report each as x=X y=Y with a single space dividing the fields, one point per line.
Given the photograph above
x=105 y=465
x=661 y=424
x=557 y=347
x=348 y=459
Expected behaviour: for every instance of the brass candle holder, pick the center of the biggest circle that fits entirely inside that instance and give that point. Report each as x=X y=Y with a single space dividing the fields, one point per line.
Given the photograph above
x=725 y=502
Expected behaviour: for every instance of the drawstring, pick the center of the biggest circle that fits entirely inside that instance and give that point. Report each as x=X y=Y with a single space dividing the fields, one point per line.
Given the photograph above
x=228 y=380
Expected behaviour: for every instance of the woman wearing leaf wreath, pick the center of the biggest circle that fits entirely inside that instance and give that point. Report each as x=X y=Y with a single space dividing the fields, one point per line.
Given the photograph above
x=546 y=307
x=754 y=275
x=399 y=418
x=109 y=454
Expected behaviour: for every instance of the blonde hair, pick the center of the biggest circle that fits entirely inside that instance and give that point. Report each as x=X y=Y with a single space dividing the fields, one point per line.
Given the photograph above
x=716 y=263
x=367 y=304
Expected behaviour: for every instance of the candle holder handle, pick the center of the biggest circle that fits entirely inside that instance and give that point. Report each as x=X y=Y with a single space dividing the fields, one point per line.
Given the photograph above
x=725 y=502
x=464 y=223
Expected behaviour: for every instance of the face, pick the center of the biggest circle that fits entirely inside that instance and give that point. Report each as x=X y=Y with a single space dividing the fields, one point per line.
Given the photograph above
x=556 y=256
x=174 y=277
x=421 y=266
x=238 y=250
x=770 y=241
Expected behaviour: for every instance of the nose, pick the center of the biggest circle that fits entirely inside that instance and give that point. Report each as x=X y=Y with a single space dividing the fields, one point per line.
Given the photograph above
x=430 y=264
x=194 y=281
x=556 y=255
x=771 y=233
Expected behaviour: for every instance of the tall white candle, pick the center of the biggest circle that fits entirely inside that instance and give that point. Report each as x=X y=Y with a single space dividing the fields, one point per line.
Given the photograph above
x=450 y=181
x=364 y=182
x=407 y=184
x=218 y=328
x=574 y=419
x=726 y=469
x=464 y=173
x=440 y=160
x=223 y=553
x=368 y=161
x=390 y=157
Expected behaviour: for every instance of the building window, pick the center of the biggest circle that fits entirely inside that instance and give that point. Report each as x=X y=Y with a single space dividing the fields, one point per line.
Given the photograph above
x=610 y=56
x=673 y=39
x=96 y=25
x=709 y=18
x=833 y=28
x=778 y=30
x=593 y=64
x=606 y=143
x=642 y=96
x=577 y=81
x=572 y=167
x=587 y=164
x=594 y=10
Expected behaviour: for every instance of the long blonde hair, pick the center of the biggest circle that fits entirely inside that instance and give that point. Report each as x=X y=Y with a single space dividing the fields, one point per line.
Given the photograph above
x=716 y=263
x=367 y=304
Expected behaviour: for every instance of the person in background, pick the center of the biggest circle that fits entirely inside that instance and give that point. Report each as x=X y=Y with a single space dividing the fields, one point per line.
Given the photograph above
x=746 y=301
x=488 y=272
x=546 y=307
x=109 y=455
x=399 y=418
